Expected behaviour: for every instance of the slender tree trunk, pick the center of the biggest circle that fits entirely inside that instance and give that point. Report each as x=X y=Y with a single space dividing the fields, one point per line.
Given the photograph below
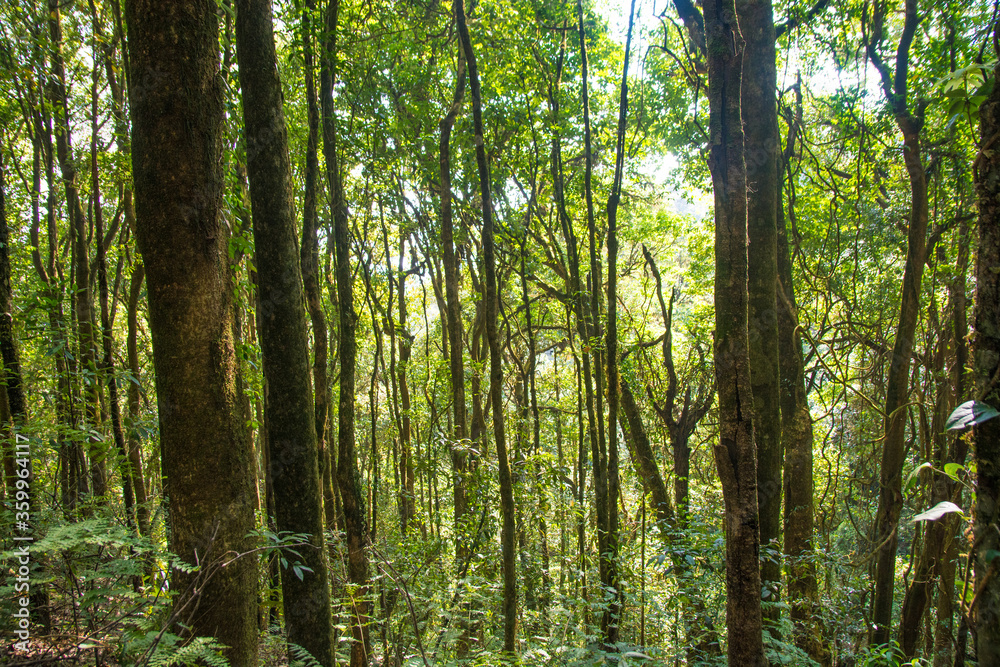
x=944 y=629
x=407 y=488
x=937 y=534
x=107 y=343
x=797 y=439
x=348 y=478
x=176 y=107
x=493 y=339
x=613 y=614
x=582 y=359
x=735 y=455
x=134 y=444
x=459 y=446
x=309 y=253
x=890 y=501
x=78 y=226
x=595 y=407
x=987 y=364
x=283 y=334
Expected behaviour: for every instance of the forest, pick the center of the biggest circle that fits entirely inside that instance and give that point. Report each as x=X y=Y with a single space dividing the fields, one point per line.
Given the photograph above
x=500 y=332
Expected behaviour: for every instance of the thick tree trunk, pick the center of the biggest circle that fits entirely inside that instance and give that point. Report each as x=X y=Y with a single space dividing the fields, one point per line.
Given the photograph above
x=986 y=347
x=735 y=455
x=760 y=114
x=176 y=106
x=493 y=340
x=291 y=426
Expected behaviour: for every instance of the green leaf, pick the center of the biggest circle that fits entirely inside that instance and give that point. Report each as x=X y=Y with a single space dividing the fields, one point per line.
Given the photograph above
x=914 y=477
x=991 y=555
x=951 y=469
x=969 y=414
x=938 y=511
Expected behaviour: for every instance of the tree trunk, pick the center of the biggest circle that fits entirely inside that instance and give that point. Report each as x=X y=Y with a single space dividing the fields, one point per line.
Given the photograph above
x=309 y=252
x=176 y=108
x=735 y=455
x=592 y=332
x=407 y=488
x=987 y=364
x=134 y=444
x=291 y=426
x=107 y=343
x=612 y=617
x=644 y=460
x=459 y=446
x=797 y=439
x=890 y=501
x=760 y=114
x=78 y=226
x=348 y=478
x=493 y=340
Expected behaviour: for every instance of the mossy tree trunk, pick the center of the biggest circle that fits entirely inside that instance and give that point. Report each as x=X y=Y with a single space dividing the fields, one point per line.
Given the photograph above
x=290 y=411
x=176 y=108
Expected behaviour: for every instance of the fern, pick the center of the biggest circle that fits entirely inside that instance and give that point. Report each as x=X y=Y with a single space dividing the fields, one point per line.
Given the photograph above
x=199 y=651
x=302 y=657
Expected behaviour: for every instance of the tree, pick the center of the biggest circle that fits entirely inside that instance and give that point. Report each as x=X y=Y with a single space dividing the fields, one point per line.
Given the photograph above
x=986 y=346
x=348 y=480
x=760 y=115
x=895 y=86
x=493 y=337
x=290 y=413
x=797 y=439
x=735 y=455
x=175 y=100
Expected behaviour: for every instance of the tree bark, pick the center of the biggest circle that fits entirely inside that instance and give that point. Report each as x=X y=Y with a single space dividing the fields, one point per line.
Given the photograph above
x=890 y=501
x=612 y=617
x=348 y=478
x=986 y=362
x=459 y=446
x=107 y=343
x=404 y=339
x=78 y=225
x=134 y=443
x=591 y=334
x=760 y=114
x=735 y=455
x=493 y=340
x=309 y=252
x=176 y=108
x=797 y=439
x=644 y=460
x=291 y=426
